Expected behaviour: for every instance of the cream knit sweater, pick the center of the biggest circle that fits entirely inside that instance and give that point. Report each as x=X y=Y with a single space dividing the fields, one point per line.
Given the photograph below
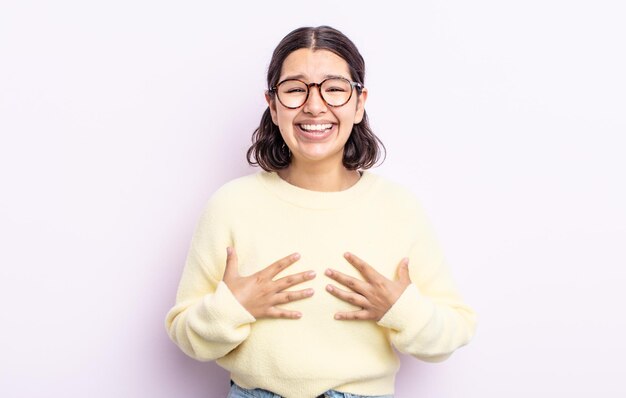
x=265 y=218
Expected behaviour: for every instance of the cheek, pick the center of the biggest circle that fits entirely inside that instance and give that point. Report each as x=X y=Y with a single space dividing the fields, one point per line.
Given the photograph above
x=285 y=117
x=285 y=125
x=348 y=117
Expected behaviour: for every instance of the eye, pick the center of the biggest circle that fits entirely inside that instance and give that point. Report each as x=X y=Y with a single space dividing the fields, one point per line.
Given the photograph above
x=336 y=86
x=335 y=89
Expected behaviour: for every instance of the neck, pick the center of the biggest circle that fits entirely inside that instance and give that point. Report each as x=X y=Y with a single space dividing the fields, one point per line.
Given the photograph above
x=319 y=177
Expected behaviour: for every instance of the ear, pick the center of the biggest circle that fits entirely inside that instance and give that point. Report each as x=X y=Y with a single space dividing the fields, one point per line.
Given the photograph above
x=360 y=106
x=272 y=104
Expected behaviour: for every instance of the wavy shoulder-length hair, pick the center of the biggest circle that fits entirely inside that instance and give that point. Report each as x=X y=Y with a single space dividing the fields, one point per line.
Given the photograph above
x=269 y=151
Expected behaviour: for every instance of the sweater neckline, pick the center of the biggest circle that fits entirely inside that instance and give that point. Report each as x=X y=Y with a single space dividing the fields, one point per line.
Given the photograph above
x=315 y=199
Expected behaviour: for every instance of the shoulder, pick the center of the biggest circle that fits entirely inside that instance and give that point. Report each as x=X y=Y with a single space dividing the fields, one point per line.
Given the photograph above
x=398 y=202
x=394 y=194
x=238 y=186
x=233 y=194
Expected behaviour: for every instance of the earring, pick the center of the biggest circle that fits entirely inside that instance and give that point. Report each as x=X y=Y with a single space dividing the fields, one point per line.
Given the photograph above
x=285 y=149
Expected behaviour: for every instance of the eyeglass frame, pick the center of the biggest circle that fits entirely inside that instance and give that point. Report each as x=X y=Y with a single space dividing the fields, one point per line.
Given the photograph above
x=359 y=87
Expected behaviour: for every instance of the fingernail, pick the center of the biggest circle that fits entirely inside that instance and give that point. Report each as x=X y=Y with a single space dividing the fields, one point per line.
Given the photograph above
x=229 y=251
x=295 y=256
x=328 y=272
x=337 y=316
x=309 y=292
x=310 y=274
x=298 y=315
x=329 y=288
x=347 y=255
x=405 y=261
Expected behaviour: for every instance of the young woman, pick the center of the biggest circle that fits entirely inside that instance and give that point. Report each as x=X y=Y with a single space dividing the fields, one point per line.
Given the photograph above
x=302 y=278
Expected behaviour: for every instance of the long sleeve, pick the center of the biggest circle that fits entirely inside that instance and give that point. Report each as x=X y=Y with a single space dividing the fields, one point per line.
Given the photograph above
x=265 y=218
x=430 y=320
x=207 y=321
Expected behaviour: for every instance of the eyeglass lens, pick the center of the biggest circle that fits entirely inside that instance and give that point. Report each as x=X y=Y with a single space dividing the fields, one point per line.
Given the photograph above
x=293 y=93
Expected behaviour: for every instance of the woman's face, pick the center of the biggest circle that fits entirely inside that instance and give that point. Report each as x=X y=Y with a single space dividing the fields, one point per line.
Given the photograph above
x=316 y=132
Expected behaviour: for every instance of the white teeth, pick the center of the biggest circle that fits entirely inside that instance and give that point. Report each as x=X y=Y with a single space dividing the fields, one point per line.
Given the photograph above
x=316 y=127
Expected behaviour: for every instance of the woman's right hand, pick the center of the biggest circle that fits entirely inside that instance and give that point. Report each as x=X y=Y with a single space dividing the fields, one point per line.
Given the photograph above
x=259 y=293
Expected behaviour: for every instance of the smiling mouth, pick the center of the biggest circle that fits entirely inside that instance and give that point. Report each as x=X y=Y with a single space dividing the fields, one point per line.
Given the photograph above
x=316 y=128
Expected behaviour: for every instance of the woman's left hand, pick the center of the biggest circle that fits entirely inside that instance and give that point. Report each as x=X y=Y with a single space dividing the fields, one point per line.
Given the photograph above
x=375 y=295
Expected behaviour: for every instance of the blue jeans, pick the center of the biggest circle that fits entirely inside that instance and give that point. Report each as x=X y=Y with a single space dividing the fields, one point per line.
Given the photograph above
x=240 y=392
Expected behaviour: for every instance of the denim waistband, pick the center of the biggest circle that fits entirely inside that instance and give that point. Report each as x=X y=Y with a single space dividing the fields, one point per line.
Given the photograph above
x=240 y=392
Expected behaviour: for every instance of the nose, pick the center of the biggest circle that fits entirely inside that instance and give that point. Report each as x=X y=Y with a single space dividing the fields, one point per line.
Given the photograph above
x=314 y=104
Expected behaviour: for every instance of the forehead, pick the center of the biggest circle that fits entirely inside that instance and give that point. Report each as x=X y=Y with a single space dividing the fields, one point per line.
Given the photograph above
x=314 y=65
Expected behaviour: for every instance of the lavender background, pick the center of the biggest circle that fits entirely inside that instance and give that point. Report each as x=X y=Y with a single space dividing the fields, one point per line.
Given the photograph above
x=118 y=120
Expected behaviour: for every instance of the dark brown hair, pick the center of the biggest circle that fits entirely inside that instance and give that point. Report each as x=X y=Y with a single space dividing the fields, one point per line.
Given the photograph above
x=362 y=150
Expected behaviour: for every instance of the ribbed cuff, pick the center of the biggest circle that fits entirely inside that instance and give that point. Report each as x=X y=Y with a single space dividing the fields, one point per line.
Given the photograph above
x=410 y=310
x=226 y=306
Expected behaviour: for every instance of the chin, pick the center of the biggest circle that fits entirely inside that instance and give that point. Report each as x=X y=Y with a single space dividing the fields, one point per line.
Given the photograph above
x=320 y=156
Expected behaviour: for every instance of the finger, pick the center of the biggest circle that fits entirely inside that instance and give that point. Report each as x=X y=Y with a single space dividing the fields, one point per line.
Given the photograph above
x=352 y=283
x=349 y=297
x=274 y=269
x=403 y=271
x=361 y=315
x=364 y=268
x=275 y=312
x=292 y=280
x=232 y=268
x=288 y=297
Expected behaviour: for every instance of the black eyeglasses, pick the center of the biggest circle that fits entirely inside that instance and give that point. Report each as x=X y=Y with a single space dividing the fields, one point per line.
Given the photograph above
x=335 y=91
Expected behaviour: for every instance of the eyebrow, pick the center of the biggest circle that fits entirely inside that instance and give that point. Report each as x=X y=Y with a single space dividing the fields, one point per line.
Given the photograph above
x=301 y=77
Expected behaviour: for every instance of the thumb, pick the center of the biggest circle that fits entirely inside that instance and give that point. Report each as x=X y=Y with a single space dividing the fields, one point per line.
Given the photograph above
x=232 y=268
x=403 y=271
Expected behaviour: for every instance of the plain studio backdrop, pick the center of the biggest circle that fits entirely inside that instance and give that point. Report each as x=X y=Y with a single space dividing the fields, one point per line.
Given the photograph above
x=119 y=119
